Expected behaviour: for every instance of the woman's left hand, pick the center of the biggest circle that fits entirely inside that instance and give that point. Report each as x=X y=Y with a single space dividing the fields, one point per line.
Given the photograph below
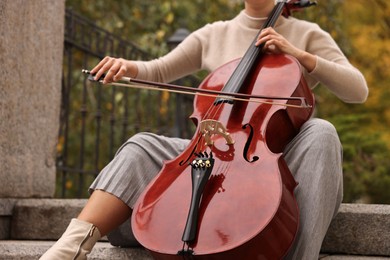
x=276 y=44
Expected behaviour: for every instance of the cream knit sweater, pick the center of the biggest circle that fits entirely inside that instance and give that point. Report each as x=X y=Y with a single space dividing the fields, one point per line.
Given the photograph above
x=220 y=42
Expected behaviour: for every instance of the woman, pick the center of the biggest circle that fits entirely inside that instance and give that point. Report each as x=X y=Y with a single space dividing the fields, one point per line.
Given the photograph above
x=314 y=156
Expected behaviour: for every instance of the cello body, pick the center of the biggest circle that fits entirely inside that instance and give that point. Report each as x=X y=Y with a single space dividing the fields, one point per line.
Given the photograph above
x=247 y=208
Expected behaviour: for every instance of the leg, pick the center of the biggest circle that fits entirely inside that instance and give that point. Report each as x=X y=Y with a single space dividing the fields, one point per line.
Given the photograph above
x=114 y=193
x=102 y=213
x=105 y=211
x=315 y=159
x=76 y=242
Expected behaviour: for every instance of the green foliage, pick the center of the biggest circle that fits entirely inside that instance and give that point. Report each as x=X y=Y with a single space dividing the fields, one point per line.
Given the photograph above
x=366 y=166
x=360 y=28
x=150 y=22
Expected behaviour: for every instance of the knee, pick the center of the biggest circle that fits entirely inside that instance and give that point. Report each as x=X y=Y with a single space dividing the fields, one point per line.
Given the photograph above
x=321 y=137
x=133 y=144
x=320 y=127
x=138 y=138
x=321 y=131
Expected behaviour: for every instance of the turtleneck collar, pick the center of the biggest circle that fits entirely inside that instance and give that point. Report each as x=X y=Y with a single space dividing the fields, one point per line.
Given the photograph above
x=254 y=22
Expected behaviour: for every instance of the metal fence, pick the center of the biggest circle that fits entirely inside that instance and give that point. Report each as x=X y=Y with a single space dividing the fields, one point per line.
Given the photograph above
x=95 y=119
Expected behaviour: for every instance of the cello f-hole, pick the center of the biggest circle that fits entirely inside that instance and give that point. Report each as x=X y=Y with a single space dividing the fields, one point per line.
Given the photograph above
x=247 y=144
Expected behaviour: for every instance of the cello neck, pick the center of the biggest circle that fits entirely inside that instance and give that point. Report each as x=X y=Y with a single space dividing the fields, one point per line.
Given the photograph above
x=248 y=61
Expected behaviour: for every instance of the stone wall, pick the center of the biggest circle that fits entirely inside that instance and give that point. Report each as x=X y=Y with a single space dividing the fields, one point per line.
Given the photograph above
x=31 y=50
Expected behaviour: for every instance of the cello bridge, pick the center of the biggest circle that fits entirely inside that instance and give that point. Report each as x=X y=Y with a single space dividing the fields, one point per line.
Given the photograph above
x=210 y=127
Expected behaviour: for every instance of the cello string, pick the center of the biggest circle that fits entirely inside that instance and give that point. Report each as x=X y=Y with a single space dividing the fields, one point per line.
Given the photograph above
x=211 y=113
x=252 y=54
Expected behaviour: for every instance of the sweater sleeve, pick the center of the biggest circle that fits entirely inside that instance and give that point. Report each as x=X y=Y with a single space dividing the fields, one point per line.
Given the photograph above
x=346 y=82
x=334 y=70
x=185 y=59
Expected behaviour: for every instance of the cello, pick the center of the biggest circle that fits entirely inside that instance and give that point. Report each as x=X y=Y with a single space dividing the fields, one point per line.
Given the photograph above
x=230 y=194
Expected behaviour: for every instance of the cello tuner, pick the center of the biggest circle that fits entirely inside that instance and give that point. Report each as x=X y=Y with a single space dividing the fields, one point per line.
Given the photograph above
x=296 y=6
x=304 y=3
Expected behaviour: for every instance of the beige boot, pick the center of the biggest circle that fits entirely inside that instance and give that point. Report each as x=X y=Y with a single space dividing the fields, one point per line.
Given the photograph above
x=77 y=241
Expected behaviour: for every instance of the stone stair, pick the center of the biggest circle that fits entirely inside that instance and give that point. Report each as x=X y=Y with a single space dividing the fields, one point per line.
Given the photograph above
x=28 y=227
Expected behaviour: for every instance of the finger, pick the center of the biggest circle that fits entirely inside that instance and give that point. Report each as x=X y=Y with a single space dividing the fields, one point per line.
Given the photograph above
x=100 y=64
x=270 y=30
x=106 y=67
x=267 y=31
x=121 y=72
x=264 y=39
x=265 y=35
x=260 y=38
x=271 y=48
x=112 y=71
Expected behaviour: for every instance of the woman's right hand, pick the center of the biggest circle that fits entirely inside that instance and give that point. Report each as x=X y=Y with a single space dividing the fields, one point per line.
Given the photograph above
x=115 y=69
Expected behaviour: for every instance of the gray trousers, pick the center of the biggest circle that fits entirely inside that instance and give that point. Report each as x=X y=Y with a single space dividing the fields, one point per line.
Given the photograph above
x=314 y=157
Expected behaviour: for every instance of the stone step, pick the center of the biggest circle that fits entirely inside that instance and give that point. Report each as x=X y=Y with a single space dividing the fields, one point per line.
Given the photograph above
x=358 y=229
x=31 y=250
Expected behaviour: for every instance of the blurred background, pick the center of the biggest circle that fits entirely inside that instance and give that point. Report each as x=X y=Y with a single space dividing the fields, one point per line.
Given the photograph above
x=96 y=120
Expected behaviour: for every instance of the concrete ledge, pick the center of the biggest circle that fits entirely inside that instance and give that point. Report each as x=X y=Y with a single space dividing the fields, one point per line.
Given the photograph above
x=32 y=250
x=6 y=210
x=7 y=206
x=43 y=219
x=358 y=229
x=351 y=257
x=362 y=229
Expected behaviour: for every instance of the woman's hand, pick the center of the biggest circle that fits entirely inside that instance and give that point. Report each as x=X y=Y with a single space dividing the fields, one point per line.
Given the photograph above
x=116 y=68
x=277 y=44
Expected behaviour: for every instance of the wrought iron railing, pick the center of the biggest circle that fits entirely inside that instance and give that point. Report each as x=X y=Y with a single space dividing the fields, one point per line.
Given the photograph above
x=95 y=120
